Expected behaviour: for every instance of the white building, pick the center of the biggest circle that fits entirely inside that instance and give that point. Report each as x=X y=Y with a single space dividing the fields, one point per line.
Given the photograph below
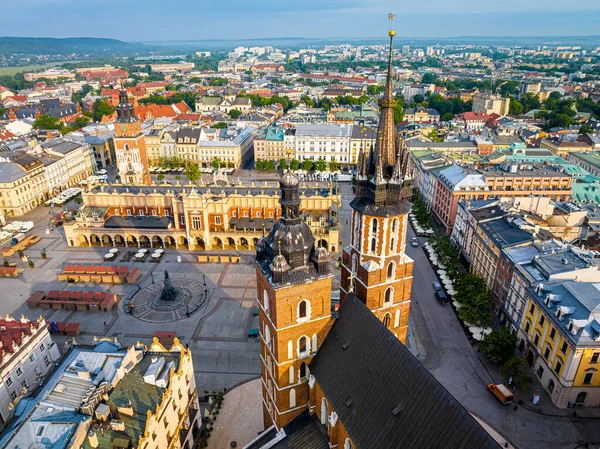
x=27 y=355
x=67 y=162
x=330 y=142
x=410 y=90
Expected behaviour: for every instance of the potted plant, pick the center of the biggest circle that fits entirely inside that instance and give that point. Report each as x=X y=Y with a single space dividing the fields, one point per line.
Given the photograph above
x=44 y=255
x=31 y=264
x=6 y=264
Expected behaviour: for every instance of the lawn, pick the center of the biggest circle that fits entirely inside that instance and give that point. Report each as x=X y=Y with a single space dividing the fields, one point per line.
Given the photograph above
x=30 y=68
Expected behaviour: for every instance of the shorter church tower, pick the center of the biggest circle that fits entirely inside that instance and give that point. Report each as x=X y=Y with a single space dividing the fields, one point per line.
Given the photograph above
x=294 y=296
x=130 y=145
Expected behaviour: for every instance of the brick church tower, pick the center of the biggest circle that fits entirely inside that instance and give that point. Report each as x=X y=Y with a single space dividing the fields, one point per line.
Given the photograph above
x=294 y=296
x=130 y=145
x=374 y=264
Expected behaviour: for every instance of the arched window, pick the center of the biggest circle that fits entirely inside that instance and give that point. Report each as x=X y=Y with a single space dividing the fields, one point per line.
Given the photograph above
x=392 y=244
x=391 y=270
x=386 y=320
x=324 y=411
x=303 y=346
x=303 y=371
x=266 y=301
x=374 y=225
x=347 y=444
x=551 y=386
x=268 y=337
x=292 y=398
x=291 y=372
x=303 y=310
x=354 y=262
x=388 y=297
x=126 y=147
x=394 y=224
x=373 y=244
x=581 y=398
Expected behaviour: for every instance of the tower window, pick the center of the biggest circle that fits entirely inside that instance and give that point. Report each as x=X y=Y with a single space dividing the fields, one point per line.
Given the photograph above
x=304 y=310
x=303 y=346
x=386 y=320
x=391 y=270
x=373 y=244
x=303 y=370
x=389 y=295
x=374 y=225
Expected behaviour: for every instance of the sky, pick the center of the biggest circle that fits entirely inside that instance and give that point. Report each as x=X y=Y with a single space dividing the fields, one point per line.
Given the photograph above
x=160 y=20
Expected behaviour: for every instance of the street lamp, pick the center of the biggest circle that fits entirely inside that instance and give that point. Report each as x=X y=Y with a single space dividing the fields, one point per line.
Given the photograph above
x=152 y=276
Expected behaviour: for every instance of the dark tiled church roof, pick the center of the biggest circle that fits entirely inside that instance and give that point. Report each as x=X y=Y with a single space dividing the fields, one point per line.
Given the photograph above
x=304 y=432
x=383 y=395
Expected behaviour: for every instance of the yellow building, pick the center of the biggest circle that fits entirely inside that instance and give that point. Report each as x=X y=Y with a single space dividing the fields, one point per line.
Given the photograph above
x=218 y=215
x=561 y=327
x=23 y=185
x=274 y=143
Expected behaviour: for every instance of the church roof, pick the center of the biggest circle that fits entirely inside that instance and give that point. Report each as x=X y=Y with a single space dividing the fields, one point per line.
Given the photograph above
x=382 y=394
x=304 y=432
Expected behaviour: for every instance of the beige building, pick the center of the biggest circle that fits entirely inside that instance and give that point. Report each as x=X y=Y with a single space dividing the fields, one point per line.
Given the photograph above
x=218 y=215
x=23 y=184
x=488 y=103
x=143 y=397
x=51 y=74
x=274 y=143
x=27 y=355
x=67 y=163
x=564 y=148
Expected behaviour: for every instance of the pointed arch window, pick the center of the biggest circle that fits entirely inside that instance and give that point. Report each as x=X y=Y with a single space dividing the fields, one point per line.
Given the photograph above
x=386 y=320
x=302 y=309
x=388 y=297
x=391 y=270
x=303 y=371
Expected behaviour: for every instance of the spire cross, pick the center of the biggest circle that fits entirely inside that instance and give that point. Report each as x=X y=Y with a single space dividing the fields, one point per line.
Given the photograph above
x=351 y=279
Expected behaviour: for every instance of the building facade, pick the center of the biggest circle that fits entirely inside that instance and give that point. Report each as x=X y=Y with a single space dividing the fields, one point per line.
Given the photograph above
x=488 y=103
x=26 y=357
x=130 y=145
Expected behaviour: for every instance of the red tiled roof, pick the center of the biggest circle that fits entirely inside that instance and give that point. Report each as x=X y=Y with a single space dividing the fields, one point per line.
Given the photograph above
x=12 y=332
x=6 y=134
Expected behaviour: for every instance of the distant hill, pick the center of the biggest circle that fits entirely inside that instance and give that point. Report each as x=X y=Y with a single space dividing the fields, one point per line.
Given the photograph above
x=54 y=46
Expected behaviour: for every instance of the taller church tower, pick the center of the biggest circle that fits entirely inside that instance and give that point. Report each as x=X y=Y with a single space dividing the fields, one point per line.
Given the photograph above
x=374 y=264
x=294 y=296
x=130 y=145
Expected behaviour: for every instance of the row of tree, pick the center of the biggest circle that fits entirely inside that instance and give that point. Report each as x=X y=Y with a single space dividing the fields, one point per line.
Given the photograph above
x=308 y=165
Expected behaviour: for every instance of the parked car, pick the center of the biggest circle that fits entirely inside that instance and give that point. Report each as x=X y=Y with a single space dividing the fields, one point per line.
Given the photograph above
x=502 y=392
x=414 y=242
x=437 y=287
x=441 y=297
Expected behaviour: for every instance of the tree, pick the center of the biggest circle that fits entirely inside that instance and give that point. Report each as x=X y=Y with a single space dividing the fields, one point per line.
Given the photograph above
x=216 y=163
x=234 y=114
x=259 y=164
x=219 y=125
x=46 y=121
x=269 y=165
x=192 y=172
x=428 y=78
x=499 y=345
x=66 y=130
x=418 y=98
x=516 y=368
x=529 y=102
x=398 y=113
x=334 y=166
x=80 y=122
x=561 y=120
x=294 y=164
x=307 y=164
x=447 y=117
x=375 y=89
x=307 y=101
x=320 y=164
x=160 y=177
x=101 y=108
x=515 y=108
x=282 y=164
x=586 y=129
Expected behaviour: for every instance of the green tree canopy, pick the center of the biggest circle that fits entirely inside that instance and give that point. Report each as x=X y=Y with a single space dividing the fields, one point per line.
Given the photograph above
x=46 y=121
x=294 y=164
x=234 y=114
x=307 y=164
x=100 y=109
x=585 y=129
x=160 y=177
x=515 y=108
x=269 y=165
x=216 y=163
x=499 y=345
x=80 y=122
x=219 y=125
x=259 y=164
x=192 y=172
x=320 y=164
x=516 y=368
x=282 y=164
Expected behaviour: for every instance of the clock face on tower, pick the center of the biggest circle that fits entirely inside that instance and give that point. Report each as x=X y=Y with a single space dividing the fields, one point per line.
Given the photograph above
x=124 y=128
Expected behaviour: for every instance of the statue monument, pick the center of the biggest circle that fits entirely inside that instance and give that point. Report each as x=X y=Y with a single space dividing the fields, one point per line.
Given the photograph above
x=169 y=292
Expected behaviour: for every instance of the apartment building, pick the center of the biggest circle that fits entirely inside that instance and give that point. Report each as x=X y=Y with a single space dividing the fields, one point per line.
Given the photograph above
x=66 y=163
x=562 y=148
x=275 y=143
x=23 y=184
x=108 y=396
x=330 y=142
x=488 y=103
x=561 y=329
x=27 y=355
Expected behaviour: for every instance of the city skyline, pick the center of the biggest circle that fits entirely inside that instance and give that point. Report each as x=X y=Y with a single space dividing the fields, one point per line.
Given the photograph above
x=349 y=19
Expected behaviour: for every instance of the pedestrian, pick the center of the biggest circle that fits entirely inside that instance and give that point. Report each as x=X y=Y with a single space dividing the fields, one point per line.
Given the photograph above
x=105 y=324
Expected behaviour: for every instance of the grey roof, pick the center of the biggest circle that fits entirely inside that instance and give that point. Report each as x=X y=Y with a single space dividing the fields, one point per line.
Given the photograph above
x=61 y=145
x=139 y=221
x=323 y=130
x=505 y=234
x=385 y=398
x=9 y=172
x=304 y=432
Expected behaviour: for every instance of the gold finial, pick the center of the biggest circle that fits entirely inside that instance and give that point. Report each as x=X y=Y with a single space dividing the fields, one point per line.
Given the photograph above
x=391 y=17
x=351 y=286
